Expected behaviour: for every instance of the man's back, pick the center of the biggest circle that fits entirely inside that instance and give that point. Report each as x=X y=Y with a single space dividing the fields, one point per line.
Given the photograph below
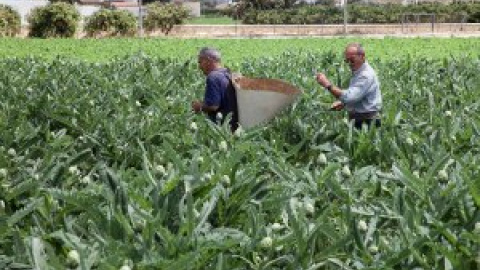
x=220 y=92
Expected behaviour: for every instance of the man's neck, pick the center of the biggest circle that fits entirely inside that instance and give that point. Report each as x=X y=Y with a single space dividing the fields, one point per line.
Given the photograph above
x=358 y=68
x=215 y=67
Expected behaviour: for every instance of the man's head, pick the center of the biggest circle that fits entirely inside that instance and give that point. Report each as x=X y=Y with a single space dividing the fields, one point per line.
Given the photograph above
x=209 y=59
x=354 y=56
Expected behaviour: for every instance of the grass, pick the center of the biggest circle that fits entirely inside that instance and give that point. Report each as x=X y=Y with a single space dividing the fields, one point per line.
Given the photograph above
x=212 y=20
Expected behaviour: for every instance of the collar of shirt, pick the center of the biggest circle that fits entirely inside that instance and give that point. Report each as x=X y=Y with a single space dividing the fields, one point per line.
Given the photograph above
x=362 y=67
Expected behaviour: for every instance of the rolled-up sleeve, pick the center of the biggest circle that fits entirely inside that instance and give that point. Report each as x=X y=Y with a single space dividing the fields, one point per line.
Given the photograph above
x=356 y=91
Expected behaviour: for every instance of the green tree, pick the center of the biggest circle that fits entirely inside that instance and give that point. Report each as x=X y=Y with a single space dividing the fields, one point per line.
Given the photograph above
x=9 y=21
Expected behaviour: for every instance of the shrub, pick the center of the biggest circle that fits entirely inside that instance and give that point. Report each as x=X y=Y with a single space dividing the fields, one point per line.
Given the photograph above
x=164 y=17
x=9 y=21
x=108 y=22
x=54 y=20
x=358 y=13
x=64 y=1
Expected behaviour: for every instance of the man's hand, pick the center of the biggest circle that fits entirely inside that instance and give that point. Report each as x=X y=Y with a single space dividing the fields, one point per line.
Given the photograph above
x=197 y=106
x=336 y=106
x=322 y=80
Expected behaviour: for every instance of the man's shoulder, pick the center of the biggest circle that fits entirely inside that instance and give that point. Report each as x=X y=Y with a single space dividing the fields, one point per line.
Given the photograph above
x=367 y=70
x=221 y=72
x=218 y=75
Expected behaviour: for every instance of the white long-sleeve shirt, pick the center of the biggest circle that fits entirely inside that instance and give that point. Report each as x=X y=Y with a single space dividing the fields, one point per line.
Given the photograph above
x=363 y=94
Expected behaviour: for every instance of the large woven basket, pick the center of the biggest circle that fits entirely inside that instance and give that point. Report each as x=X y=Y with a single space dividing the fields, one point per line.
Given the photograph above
x=260 y=100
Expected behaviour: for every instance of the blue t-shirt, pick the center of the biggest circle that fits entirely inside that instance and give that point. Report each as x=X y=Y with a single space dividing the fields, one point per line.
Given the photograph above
x=219 y=92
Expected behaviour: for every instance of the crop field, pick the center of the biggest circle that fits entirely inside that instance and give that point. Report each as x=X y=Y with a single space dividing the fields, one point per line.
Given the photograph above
x=104 y=166
x=234 y=50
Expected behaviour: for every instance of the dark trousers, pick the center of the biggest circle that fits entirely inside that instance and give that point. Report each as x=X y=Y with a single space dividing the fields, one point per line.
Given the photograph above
x=358 y=123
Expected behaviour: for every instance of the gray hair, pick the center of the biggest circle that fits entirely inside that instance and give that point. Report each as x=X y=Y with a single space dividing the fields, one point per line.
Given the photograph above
x=359 y=48
x=210 y=53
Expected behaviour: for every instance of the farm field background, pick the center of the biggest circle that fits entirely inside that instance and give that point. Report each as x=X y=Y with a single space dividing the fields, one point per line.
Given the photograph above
x=103 y=164
x=234 y=50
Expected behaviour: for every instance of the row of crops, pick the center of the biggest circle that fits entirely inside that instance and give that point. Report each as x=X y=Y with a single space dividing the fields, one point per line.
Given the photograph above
x=104 y=166
x=235 y=51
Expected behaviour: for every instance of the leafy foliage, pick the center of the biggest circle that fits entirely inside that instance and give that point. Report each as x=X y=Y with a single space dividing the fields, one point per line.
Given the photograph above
x=104 y=159
x=357 y=13
x=54 y=20
x=106 y=22
x=10 y=21
x=164 y=17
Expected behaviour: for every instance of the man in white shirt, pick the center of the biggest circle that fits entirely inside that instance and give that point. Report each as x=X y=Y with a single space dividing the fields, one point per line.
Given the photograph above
x=362 y=99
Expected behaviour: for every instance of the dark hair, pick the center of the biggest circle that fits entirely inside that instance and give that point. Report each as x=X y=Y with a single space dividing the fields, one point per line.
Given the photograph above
x=210 y=53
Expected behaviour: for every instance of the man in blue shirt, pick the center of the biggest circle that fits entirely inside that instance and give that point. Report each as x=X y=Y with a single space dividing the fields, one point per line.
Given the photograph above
x=362 y=99
x=220 y=98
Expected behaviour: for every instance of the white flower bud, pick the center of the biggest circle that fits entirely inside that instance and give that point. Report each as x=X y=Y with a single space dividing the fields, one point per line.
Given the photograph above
x=226 y=180
x=409 y=141
x=266 y=242
x=276 y=226
x=138 y=103
x=322 y=159
x=73 y=170
x=207 y=176
x=346 y=171
x=199 y=159
x=73 y=258
x=139 y=225
x=219 y=116
x=193 y=126
x=86 y=180
x=223 y=146
x=160 y=169
x=416 y=174
x=450 y=161
x=3 y=172
x=309 y=208
x=362 y=226
x=12 y=152
x=373 y=249
x=443 y=175
x=239 y=132
x=448 y=113
x=125 y=267
x=477 y=227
